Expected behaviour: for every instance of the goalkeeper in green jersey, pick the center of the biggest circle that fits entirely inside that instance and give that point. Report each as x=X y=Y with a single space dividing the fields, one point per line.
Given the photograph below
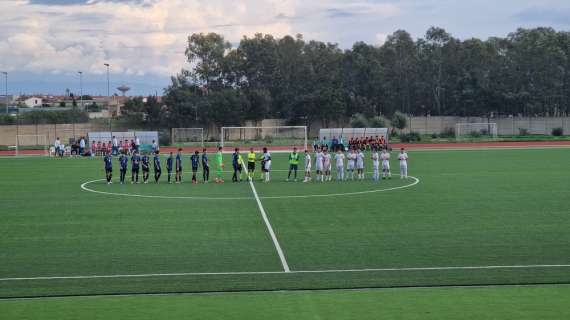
x=220 y=165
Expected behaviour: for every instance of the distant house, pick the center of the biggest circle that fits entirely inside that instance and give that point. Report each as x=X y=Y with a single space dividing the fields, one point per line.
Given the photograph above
x=32 y=102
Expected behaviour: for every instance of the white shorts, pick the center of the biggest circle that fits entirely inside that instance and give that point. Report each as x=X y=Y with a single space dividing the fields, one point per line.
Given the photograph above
x=386 y=165
x=327 y=167
x=339 y=168
x=376 y=165
x=308 y=168
x=350 y=165
x=319 y=167
x=268 y=165
x=360 y=165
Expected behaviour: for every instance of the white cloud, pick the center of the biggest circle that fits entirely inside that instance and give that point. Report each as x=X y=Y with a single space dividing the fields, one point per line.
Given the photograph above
x=381 y=38
x=134 y=39
x=148 y=37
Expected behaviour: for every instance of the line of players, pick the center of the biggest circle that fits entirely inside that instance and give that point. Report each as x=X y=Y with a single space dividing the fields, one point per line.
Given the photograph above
x=355 y=160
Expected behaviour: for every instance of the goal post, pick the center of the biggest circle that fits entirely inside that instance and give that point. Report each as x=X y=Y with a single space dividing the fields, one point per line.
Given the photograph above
x=465 y=131
x=187 y=137
x=277 y=136
x=36 y=142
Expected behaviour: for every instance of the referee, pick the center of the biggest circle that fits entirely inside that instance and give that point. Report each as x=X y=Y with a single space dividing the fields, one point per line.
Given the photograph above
x=251 y=157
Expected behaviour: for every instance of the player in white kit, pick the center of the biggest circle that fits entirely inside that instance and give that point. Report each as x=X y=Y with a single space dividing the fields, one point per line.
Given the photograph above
x=307 y=166
x=386 y=164
x=320 y=157
x=327 y=165
x=267 y=162
x=360 y=164
x=403 y=157
x=351 y=163
x=376 y=164
x=339 y=157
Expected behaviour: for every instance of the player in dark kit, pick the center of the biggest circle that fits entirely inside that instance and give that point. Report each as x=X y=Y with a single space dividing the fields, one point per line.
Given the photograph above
x=169 y=167
x=179 y=166
x=195 y=159
x=135 y=163
x=108 y=168
x=236 y=166
x=145 y=168
x=157 y=168
x=205 y=166
x=123 y=161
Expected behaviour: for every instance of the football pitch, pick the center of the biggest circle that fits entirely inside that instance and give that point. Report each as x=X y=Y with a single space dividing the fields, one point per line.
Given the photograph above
x=464 y=218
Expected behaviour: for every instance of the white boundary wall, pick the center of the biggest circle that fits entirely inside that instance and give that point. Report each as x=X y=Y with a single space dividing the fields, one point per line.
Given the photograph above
x=505 y=126
x=145 y=137
x=255 y=133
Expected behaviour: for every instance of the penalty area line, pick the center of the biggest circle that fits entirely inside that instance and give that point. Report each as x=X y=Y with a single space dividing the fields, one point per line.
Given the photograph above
x=182 y=274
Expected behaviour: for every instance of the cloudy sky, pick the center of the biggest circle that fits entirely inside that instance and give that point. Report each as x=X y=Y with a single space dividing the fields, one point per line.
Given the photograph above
x=43 y=43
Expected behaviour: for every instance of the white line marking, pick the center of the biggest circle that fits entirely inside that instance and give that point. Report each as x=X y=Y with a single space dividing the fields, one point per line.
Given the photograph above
x=269 y=228
x=85 y=187
x=150 y=275
x=218 y=293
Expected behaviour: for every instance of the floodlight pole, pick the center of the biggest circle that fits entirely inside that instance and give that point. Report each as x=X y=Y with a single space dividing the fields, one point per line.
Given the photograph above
x=81 y=89
x=108 y=95
x=108 y=86
x=6 y=88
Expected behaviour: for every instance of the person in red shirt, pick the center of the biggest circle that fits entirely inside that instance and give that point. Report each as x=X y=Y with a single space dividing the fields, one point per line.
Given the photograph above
x=93 y=148
x=109 y=148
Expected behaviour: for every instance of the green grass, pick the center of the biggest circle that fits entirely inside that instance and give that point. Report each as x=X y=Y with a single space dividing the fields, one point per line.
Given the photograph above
x=526 y=303
x=471 y=208
x=428 y=138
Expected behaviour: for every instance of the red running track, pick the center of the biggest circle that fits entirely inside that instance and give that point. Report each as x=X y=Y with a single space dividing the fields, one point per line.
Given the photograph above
x=410 y=146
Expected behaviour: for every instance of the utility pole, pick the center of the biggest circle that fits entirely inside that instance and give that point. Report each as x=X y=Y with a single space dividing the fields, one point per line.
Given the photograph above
x=6 y=88
x=108 y=86
x=108 y=96
x=81 y=89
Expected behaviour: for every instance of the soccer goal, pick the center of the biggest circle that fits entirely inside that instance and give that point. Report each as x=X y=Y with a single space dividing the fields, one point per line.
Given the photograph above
x=279 y=136
x=188 y=137
x=465 y=131
x=36 y=142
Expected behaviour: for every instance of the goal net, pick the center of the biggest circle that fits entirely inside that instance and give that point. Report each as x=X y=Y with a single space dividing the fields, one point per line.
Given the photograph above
x=188 y=137
x=465 y=131
x=281 y=136
x=32 y=144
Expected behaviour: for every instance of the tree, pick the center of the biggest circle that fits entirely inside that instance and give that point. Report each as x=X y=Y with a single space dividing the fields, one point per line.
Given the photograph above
x=399 y=56
x=377 y=122
x=527 y=73
x=399 y=121
x=206 y=53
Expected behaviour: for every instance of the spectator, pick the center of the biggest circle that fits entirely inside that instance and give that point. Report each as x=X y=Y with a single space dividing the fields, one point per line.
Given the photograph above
x=137 y=144
x=57 y=145
x=61 y=150
x=93 y=148
x=154 y=147
x=125 y=147
x=115 y=149
x=81 y=146
x=334 y=144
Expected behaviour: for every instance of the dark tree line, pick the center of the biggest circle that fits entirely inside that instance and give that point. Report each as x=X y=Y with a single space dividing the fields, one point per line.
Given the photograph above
x=526 y=73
